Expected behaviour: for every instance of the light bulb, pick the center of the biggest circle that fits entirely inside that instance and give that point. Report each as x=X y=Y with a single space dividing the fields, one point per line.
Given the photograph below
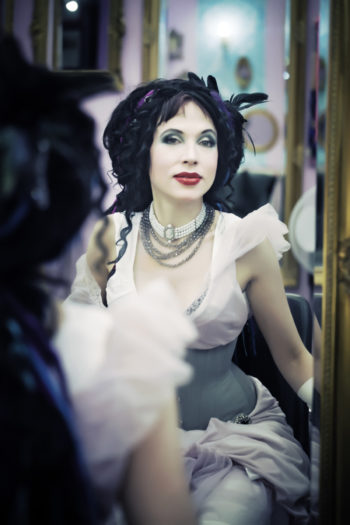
x=72 y=6
x=224 y=29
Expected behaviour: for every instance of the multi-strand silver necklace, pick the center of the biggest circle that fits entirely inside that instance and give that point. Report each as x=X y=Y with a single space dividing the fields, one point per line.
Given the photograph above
x=168 y=237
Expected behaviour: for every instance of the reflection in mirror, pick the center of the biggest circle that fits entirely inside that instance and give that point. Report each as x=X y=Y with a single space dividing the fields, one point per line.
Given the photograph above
x=321 y=123
x=87 y=36
x=79 y=45
x=298 y=66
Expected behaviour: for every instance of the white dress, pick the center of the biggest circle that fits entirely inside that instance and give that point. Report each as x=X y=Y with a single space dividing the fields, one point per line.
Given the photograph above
x=260 y=462
x=121 y=369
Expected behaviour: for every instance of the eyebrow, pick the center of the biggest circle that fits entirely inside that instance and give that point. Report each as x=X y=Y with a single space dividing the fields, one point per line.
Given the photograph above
x=174 y=130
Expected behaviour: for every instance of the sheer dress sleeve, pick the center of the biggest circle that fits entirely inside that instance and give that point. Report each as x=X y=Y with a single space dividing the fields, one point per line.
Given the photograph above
x=123 y=365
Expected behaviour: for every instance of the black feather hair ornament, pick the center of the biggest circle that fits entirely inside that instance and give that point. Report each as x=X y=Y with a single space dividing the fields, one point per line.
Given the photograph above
x=230 y=108
x=238 y=102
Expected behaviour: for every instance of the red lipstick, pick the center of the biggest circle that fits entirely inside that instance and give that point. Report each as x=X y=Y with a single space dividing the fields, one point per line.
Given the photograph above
x=188 y=178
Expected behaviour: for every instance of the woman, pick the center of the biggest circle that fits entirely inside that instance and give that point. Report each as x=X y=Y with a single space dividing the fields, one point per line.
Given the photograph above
x=174 y=144
x=80 y=427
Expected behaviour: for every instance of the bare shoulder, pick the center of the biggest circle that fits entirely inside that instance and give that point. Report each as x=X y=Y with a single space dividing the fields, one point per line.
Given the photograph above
x=101 y=249
x=257 y=263
x=102 y=233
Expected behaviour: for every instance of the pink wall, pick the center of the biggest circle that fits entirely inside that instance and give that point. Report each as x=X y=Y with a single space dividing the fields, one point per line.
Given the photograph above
x=132 y=44
x=22 y=15
x=275 y=84
x=185 y=25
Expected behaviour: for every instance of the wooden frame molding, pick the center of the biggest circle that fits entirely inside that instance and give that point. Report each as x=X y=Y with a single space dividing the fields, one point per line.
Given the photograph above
x=116 y=31
x=114 y=34
x=335 y=392
x=8 y=11
x=295 y=126
x=150 y=40
x=39 y=31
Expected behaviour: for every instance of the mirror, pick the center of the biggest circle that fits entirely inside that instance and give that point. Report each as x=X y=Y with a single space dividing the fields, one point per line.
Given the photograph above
x=288 y=21
x=321 y=126
x=301 y=77
x=335 y=401
x=85 y=42
x=79 y=37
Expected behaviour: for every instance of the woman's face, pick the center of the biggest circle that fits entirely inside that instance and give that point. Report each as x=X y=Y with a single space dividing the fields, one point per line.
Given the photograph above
x=184 y=156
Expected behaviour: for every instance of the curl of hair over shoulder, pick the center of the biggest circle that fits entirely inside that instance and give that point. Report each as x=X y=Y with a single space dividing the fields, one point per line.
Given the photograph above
x=129 y=134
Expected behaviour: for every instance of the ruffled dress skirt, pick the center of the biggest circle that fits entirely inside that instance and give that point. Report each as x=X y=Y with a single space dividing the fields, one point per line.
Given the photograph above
x=239 y=472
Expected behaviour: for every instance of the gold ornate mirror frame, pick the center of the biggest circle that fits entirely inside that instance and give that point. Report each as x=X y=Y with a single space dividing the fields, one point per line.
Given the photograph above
x=335 y=393
x=114 y=34
x=8 y=8
x=295 y=137
x=151 y=14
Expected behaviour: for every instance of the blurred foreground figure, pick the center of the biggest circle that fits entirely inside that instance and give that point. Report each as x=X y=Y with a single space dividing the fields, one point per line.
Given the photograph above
x=87 y=410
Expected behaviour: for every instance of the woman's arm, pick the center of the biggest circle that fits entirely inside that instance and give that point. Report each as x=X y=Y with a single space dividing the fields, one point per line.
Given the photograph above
x=259 y=268
x=102 y=234
x=155 y=489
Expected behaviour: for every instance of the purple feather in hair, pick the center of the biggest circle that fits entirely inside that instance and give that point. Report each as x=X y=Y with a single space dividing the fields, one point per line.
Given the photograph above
x=143 y=99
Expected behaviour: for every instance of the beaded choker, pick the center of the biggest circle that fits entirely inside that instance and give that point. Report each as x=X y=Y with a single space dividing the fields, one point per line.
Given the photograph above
x=169 y=232
x=162 y=250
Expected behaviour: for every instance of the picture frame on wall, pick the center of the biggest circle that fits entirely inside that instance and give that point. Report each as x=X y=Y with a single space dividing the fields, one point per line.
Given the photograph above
x=175 y=45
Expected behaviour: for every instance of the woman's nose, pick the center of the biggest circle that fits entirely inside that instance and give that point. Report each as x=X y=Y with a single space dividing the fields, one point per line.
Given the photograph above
x=190 y=154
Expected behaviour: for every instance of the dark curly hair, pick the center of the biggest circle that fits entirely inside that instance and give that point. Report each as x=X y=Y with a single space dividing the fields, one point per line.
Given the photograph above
x=129 y=135
x=50 y=178
x=50 y=181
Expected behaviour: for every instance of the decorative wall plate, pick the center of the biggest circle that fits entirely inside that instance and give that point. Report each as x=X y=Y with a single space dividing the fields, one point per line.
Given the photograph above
x=262 y=126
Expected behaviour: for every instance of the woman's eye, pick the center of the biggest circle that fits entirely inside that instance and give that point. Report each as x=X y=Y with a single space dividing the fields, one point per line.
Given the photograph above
x=171 y=139
x=208 y=142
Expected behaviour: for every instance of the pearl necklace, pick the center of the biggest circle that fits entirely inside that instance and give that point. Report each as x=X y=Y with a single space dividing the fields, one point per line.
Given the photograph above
x=169 y=232
x=162 y=251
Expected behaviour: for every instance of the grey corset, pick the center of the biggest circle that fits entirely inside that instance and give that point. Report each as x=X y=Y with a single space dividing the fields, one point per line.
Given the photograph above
x=218 y=389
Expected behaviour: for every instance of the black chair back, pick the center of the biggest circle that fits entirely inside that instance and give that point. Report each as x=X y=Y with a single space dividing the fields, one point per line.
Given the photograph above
x=253 y=356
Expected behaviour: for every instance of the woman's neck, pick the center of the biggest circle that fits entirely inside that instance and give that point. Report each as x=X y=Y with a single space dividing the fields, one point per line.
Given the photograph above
x=176 y=214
